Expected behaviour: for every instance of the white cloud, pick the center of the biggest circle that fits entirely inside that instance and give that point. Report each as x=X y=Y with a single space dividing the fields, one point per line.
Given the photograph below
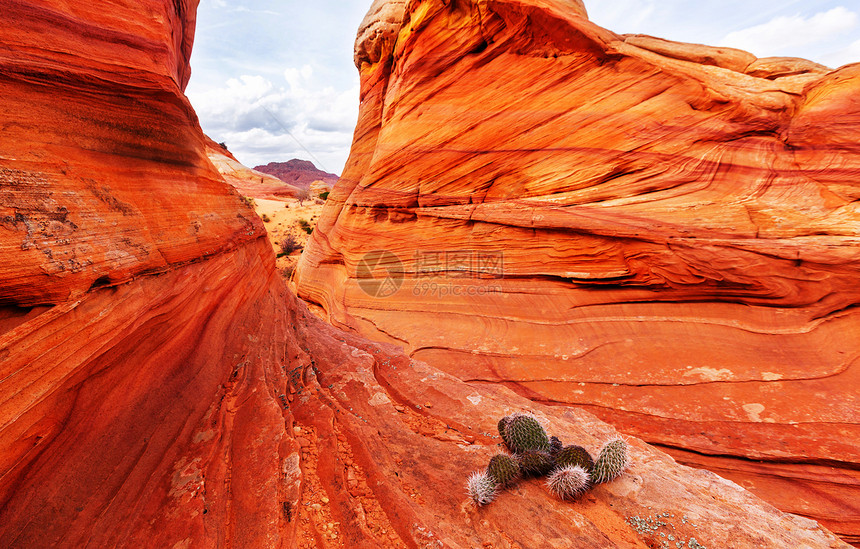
x=261 y=120
x=851 y=54
x=622 y=16
x=790 y=35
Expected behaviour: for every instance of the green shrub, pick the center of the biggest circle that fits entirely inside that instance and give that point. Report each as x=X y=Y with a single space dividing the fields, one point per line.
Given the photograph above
x=305 y=226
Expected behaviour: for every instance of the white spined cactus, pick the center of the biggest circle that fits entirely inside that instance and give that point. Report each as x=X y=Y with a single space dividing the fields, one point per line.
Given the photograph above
x=568 y=482
x=482 y=488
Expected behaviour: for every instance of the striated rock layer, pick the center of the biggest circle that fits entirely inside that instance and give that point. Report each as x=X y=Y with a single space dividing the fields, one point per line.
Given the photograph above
x=246 y=181
x=159 y=387
x=103 y=175
x=665 y=234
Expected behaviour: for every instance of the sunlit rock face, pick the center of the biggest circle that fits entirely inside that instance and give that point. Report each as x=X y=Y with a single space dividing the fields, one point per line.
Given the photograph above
x=140 y=336
x=247 y=182
x=664 y=234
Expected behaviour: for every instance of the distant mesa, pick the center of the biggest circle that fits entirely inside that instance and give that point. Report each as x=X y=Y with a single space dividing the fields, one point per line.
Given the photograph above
x=300 y=173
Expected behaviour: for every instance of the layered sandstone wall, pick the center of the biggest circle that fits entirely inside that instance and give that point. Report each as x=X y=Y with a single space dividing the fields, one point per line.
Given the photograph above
x=160 y=387
x=247 y=182
x=665 y=234
x=103 y=168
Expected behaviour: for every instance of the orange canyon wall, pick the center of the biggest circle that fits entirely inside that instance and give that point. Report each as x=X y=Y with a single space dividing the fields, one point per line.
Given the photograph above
x=160 y=387
x=664 y=234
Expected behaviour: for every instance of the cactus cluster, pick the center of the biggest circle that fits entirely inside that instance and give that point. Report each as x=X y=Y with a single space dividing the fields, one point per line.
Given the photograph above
x=570 y=470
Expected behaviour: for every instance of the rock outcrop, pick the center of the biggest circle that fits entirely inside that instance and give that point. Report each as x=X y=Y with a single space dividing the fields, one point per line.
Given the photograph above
x=664 y=234
x=246 y=181
x=160 y=387
x=300 y=173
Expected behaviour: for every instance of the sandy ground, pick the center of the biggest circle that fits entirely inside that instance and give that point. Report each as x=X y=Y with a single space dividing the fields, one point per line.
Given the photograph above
x=285 y=218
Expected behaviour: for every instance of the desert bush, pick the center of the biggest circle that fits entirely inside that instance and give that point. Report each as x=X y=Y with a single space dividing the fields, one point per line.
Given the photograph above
x=288 y=245
x=324 y=195
x=305 y=226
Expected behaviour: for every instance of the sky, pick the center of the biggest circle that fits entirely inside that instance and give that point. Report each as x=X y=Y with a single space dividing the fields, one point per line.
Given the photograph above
x=275 y=80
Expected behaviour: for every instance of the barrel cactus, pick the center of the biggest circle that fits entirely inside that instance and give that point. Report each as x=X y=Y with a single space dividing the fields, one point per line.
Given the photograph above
x=611 y=461
x=525 y=433
x=503 y=427
x=535 y=463
x=574 y=455
x=482 y=488
x=568 y=482
x=555 y=446
x=504 y=469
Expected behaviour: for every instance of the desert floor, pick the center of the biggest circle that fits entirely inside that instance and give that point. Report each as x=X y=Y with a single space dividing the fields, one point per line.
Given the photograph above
x=285 y=219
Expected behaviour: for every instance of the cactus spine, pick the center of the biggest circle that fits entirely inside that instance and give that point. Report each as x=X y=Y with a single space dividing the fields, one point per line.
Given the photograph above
x=555 y=446
x=611 y=461
x=574 y=455
x=503 y=426
x=535 y=463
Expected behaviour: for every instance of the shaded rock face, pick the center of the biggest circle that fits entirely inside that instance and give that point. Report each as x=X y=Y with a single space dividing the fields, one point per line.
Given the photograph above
x=665 y=234
x=194 y=403
x=95 y=180
x=300 y=173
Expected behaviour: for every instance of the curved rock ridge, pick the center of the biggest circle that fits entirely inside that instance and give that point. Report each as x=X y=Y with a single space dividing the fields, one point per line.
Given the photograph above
x=208 y=408
x=666 y=234
x=247 y=182
x=101 y=152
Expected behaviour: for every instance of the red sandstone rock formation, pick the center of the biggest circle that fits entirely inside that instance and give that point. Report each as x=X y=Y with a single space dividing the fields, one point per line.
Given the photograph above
x=665 y=234
x=246 y=181
x=300 y=173
x=159 y=387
